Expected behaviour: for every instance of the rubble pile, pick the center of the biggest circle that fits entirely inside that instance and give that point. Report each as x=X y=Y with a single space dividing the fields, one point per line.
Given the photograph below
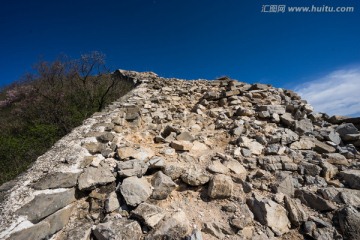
x=178 y=159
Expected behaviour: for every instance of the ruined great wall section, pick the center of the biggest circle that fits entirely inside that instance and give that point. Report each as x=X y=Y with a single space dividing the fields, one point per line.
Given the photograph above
x=178 y=159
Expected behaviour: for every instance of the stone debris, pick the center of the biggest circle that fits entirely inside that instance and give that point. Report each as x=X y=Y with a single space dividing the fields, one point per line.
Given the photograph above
x=178 y=159
x=93 y=177
x=163 y=186
x=220 y=186
x=135 y=190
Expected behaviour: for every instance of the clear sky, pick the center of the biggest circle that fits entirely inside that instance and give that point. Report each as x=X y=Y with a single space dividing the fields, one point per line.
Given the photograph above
x=195 y=39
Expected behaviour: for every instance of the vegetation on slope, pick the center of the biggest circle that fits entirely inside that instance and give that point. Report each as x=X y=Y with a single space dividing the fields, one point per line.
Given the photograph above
x=43 y=107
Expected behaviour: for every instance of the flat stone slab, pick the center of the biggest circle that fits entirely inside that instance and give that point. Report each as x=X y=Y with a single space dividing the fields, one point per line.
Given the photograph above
x=92 y=177
x=44 y=205
x=57 y=180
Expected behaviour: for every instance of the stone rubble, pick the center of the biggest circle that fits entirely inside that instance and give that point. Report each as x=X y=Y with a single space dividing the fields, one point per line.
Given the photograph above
x=178 y=159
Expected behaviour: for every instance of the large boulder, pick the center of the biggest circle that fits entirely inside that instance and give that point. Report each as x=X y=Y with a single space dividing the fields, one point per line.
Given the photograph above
x=135 y=190
x=346 y=128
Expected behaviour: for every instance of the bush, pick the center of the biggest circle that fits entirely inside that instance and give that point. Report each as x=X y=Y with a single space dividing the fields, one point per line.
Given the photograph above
x=45 y=106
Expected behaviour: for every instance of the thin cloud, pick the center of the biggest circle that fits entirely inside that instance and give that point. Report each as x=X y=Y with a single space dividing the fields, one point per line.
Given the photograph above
x=338 y=93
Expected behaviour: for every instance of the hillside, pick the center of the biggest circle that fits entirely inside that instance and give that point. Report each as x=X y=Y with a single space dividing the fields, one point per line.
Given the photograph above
x=177 y=159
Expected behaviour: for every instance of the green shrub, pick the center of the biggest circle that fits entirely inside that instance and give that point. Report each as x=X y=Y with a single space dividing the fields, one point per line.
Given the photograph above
x=45 y=106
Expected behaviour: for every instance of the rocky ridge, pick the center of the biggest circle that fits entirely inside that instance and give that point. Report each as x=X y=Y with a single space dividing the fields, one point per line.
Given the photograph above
x=177 y=159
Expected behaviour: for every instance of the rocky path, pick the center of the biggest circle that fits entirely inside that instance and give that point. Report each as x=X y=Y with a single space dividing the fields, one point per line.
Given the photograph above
x=178 y=159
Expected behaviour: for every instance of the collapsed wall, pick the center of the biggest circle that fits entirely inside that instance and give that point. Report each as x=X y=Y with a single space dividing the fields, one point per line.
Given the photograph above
x=177 y=159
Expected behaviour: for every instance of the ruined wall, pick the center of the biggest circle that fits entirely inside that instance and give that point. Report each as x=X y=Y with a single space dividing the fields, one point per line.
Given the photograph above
x=193 y=159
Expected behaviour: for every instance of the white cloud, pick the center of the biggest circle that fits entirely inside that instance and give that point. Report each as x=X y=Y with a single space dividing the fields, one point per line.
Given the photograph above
x=338 y=93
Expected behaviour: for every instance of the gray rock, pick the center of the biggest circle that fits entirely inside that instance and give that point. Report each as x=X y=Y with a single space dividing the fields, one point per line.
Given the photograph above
x=214 y=229
x=351 y=137
x=112 y=202
x=304 y=143
x=94 y=148
x=287 y=119
x=173 y=171
x=347 y=128
x=93 y=177
x=304 y=126
x=342 y=195
x=132 y=113
x=351 y=178
x=244 y=112
x=288 y=136
x=59 y=219
x=131 y=168
x=195 y=235
x=270 y=163
x=255 y=147
x=309 y=228
x=37 y=232
x=285 y=185
x=245 y=218
x=237 y=131
x=139 y=153
x=336 y=158
x=272 y=149
x=118 y=229
x=236 y=168
x=181 y=145
x=212 y=95
x=194 y=177
x=149 y=214
x=81 y=230
x=163 y=186
x=105 y=137
x=217 y=167
x=221 y=186
x=269 y=213
x=260 y=86
x=314 y=201
x=156 y=163
x=321 y=147
x=310 y=169
x=185 y=136
x=328 y=170
x=279 y=109
x=331 y=135
x=297 y=215
x=349 y=221
x=44 y=205
x=135 y=190
x=174 y=227
x=56 y=180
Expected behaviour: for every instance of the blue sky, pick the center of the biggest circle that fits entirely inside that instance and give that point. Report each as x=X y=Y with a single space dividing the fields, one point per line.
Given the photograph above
x=190 y=39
